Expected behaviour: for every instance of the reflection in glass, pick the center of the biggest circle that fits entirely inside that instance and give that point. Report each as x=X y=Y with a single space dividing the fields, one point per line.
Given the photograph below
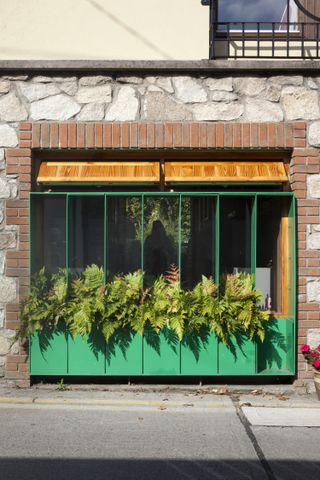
x=161 y=234
x=271 y=268
x=85 y=233
x=48 y=233
x=279 y=11
x=235 y=235
x=123 y=235
x=198 y=239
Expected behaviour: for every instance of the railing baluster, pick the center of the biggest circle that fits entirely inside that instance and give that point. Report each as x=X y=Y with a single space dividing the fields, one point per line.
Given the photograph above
x=273 y=39
x=303 y=55
x=283 y=37
x=243 y=40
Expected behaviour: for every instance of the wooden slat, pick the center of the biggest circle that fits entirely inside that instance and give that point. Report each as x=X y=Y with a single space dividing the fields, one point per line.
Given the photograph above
x=225 y=172
x=89 y=172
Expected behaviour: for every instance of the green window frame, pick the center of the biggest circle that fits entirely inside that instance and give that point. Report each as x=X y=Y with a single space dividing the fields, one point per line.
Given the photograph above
x=219 y=199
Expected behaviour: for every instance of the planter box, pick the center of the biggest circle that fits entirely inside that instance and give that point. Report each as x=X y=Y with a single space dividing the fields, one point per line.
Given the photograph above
x=129 y=354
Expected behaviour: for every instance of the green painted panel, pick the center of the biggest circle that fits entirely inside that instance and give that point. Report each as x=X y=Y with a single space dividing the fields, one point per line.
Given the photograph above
x=237 y=359
x=86 y=356
x=161 y=353
x=49 y=354
x=199 y=354
x=273 y=353
x=124 y=354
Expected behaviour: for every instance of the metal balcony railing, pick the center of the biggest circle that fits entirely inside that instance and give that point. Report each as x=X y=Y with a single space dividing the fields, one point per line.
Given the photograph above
x=264 y=40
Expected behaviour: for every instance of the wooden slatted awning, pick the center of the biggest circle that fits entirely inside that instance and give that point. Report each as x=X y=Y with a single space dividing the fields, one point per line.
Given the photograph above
x=96 y=172
x=225 y=172
x=173 y=172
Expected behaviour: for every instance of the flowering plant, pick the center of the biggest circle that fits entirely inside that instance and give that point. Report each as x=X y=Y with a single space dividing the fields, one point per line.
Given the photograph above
x=312 y=355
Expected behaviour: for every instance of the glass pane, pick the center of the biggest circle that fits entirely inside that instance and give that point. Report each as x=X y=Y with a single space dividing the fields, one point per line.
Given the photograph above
x=253 y=11
x=235 y=234
x=197 y=239
x=272 y=251
x=86 y=237
x=161 y=235
x=123 y=234
x=48 y=218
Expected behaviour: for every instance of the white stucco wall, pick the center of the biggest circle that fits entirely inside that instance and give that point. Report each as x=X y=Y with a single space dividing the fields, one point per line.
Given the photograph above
x=103 y=29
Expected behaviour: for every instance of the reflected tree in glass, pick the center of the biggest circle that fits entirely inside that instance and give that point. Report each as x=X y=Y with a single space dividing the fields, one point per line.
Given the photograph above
x=161 y=235
x=123 y=235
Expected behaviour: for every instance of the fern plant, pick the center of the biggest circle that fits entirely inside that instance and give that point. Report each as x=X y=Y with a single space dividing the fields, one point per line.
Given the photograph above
x=123 y=303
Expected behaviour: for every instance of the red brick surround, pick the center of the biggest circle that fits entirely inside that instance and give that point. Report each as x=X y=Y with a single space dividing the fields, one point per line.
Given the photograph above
x=128 y=136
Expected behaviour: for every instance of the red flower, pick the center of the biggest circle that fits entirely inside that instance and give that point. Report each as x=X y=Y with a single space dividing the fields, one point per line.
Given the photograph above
x=316 y=364
x=313 y=354
x=318 y=348
x=305 y=348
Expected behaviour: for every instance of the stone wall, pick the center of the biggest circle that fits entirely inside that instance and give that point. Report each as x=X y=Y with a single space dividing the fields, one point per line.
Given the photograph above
x=102 y=98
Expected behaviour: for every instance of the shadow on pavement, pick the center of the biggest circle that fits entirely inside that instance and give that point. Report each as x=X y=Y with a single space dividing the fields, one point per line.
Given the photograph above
x=145 y=469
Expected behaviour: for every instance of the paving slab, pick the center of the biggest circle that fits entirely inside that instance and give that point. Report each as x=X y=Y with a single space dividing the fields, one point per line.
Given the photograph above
x=283 y=417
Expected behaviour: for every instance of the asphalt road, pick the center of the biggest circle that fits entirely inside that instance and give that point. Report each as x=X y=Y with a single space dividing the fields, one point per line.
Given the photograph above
x=52 y=442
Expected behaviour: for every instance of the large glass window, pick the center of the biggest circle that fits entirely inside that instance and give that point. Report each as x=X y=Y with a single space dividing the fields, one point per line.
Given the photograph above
x=209 y=234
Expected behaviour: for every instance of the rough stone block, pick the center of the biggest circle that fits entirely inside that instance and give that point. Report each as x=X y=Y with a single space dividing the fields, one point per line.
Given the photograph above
x=189 y=90
x=313 y=186
x=313 y=237
x=7 y=240
x=313 y=291
x=225 y=84
x=249 y=86
x=218 y=111
x=91 y=112
x=258 y=110
x=8 y=136
x=8 y=289
x=160 y=107
x=300 y=103
x=125 y=107
x=11 y=108
x=314 y=134
x=313 y=337
x=58 y=107
x=37 y=91
x=97 y=94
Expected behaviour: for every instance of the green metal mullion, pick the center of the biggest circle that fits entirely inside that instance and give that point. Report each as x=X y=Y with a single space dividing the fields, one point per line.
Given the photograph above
x=142 y=235
x=217 y=241
x=142 y=268
x=67 y=239
x=294 y=263
x=254 y=258
x=254 y=238
x=169 y=194
x=31 y=236
x=179 y=237
x=179 y=267
x=105 y=263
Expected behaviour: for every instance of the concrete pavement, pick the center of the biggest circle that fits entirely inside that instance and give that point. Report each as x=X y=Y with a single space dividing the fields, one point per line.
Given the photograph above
x=118 y=432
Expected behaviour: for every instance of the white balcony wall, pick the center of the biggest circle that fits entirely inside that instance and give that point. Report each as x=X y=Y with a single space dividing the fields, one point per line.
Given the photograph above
x=103 y=29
